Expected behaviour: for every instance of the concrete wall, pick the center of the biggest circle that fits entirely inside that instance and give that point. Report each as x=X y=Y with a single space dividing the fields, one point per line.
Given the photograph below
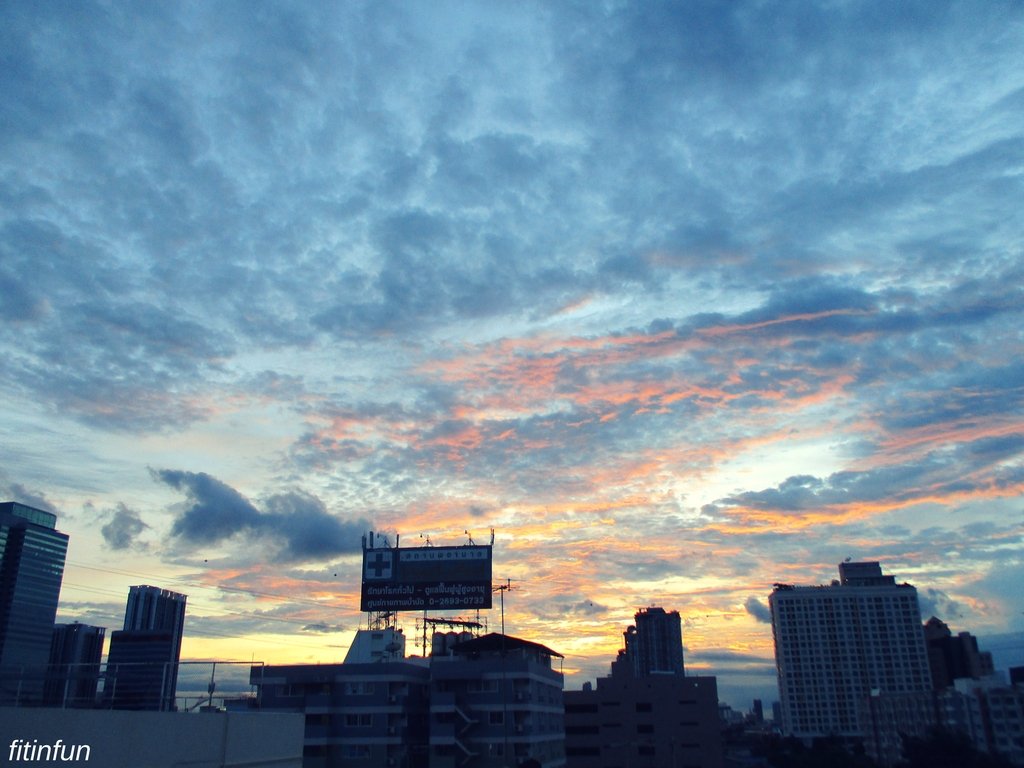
x=153 y=739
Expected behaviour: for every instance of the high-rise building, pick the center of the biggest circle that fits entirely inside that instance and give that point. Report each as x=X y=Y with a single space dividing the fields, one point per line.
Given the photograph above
x=142 y=664
x=653 y=645
x=648 y=712
x=73 y=673
x=155 y=608
x=32 y=554
x=838 y=646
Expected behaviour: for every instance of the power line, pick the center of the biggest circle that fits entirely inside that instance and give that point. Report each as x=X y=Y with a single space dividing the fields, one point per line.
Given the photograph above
x=206 y=632
x=186 y=582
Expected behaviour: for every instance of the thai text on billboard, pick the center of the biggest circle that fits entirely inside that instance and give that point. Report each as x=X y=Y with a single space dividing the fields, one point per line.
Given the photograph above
x=426 y=578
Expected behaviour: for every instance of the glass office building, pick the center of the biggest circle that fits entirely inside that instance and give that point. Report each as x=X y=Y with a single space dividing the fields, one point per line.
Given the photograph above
x=32 y=554
x=142 y=666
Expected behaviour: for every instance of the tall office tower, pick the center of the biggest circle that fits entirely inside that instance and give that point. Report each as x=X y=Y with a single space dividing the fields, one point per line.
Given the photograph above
x=156 y=608
x=654 y=645
x=837 y=647
x=142 y=664
x=32 y=553
x=74 y=669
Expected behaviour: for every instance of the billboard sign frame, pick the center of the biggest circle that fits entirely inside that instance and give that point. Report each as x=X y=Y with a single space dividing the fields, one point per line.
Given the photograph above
x=426 y=578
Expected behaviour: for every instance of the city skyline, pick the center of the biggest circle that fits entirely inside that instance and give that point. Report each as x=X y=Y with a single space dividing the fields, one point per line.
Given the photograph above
x=680 y=300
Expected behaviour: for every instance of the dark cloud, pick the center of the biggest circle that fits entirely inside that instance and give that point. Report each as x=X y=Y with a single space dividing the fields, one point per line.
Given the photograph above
x=123 y=528
x=935 y=602
x=296 y=525
x=217 y=511
x=322 y=628
x=573 y=605
x=979 y=470
x=18 y=492
x=758 y=609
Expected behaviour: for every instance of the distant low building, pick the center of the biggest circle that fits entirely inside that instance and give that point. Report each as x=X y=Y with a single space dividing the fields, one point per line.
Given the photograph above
x=953 y=657
x=990 y=712
x=657 y=720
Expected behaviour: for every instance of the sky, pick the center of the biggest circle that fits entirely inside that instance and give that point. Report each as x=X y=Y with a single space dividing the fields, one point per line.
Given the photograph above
x=681 y=300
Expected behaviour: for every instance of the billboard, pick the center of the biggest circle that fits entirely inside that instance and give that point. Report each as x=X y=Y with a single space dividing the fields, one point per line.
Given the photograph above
x=426 y=578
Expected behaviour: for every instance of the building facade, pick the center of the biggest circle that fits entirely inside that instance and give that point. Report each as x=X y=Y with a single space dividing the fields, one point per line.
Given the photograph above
x=648 y=712
x=142 y=664
x=990 y=712
x=653 y=644
x=32 y=554
x=951 y=658
x=74 y=669
x=662 y=721
x=481 y=703
x=496 y=701
x=366 y=714
x=837 y=646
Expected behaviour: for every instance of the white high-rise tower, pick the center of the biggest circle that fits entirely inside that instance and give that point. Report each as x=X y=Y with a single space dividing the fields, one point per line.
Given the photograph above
x=837 y=645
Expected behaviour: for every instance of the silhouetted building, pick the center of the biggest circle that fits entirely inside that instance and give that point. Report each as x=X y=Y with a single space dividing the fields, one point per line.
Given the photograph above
x=648 y=712
x=951 y=658
x=74 y=669
x=836 y=646
x=496 y=701
x=658 y=720
x=32 y=554
x=142 y=664
x=1017 y=676
x=654 y=644
x=481 y=703
x=990 y=712
x=375 y=713
x=888 y=719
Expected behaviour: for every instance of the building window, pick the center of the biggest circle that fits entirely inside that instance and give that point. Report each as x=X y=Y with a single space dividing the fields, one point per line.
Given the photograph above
x=359 y=688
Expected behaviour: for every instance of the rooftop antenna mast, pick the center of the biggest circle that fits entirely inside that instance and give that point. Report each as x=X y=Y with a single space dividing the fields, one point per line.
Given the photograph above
x=503 y=588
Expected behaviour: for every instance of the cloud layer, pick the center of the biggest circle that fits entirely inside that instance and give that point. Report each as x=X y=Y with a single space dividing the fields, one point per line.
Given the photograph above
x=681 y=300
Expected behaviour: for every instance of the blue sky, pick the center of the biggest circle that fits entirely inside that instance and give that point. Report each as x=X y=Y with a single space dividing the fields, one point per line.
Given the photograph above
x=681 y=299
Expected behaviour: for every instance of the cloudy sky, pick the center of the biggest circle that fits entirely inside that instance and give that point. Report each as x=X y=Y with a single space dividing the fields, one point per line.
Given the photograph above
x=681 y=299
